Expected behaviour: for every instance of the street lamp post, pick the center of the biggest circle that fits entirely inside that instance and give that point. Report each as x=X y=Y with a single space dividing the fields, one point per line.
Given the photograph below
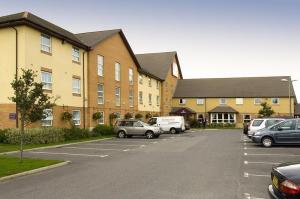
x=290 y=81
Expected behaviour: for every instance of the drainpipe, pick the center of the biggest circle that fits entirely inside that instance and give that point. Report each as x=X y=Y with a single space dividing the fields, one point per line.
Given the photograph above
x=83 y=73
x=17 y=115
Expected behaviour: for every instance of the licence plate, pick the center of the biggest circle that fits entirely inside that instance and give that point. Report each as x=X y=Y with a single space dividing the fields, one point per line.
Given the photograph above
x=275 y=181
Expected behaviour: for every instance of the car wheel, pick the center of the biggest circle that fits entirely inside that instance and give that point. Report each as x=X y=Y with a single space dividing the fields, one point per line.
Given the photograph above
x=149 y=134
x=121 y=134
x=173 y=131
x=267 y=142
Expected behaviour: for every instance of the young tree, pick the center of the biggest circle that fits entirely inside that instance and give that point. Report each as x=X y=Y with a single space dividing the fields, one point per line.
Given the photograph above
x=30 y=100
x=266 y=110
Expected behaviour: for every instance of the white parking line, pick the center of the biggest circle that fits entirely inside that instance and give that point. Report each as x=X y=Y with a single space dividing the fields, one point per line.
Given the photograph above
x=96 y=149
x=97 y=144
x=71 y=154
x=247 y=175
x=248 y=196
x=125 y=141
x=266 y=154
x=247 y=162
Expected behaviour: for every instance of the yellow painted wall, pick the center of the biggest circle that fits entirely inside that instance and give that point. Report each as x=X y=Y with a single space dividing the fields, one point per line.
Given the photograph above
x=30 y=56
x=149 y=90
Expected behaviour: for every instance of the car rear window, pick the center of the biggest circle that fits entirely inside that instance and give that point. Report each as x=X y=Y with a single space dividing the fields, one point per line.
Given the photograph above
x=272 y=122
x=257 y=122
x=125 y=123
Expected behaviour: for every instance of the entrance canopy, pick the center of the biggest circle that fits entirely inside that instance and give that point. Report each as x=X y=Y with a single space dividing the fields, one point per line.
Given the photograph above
x=223 y=109
x=182 y=111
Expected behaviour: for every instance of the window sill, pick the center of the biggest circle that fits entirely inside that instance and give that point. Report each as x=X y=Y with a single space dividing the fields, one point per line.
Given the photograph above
x=46 y=53
x=75 y=62
x=76 y=94
x=47 y=91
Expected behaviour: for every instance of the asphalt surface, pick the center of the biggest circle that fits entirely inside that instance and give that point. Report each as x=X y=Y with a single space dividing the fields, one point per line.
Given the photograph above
x=194 y=165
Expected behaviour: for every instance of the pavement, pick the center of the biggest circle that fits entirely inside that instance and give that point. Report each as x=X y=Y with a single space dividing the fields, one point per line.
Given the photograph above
x=208 y=164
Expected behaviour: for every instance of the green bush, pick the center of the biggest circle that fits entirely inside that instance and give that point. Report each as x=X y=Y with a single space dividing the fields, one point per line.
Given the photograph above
x=103 y=130
x=138 y=116
x=194 y=124
x=76 y=133
x=2 y=135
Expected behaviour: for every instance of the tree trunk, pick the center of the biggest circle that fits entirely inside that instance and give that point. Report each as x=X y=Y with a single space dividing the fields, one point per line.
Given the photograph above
x=22 y=138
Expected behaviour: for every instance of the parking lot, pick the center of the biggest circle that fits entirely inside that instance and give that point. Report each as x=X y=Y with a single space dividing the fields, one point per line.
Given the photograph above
x=257 y=163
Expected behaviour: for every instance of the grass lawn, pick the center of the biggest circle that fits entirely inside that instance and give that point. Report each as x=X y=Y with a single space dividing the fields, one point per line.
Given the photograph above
x=14 y=147
x=12 y=165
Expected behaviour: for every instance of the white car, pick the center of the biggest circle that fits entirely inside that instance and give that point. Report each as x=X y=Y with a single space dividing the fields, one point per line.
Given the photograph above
x=261 y=123
x=172 y=124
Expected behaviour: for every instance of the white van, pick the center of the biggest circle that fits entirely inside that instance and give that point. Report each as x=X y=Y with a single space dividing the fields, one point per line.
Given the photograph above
x=172 y=124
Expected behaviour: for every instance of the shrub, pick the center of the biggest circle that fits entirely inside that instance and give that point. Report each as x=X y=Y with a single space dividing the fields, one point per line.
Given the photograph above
x=66 y=116
x=97 y=116
x=103 y=130
x=194 y=124
x=138 y=116
x=128 y=116
x=76 y=133
x=2 y=135
x=148 y=115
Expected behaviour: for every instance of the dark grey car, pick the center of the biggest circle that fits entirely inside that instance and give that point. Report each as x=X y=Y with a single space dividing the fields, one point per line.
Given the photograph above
x=286 y=132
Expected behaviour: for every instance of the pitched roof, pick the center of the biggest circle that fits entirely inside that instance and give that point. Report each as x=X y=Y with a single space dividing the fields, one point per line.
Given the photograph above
x=297 y=109
x=92 y=39
x=234 y=87
x=158 y=64
x=27 y=18
x=182 y=110
x=223 y=109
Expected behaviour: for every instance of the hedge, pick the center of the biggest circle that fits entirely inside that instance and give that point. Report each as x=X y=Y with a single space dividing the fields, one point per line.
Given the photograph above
x=51 y=135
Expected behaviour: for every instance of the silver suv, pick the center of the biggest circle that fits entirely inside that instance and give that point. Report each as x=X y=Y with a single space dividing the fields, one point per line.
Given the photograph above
x=131 y=127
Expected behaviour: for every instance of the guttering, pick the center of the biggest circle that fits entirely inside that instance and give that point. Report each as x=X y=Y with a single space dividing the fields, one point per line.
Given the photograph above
x=83 y=91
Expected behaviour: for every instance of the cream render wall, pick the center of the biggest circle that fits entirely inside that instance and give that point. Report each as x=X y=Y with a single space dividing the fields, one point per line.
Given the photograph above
x=144 y=87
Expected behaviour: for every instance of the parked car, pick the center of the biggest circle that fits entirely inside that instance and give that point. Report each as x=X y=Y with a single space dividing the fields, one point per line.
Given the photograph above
x=172 y=124
x=131 y=127
x=285 y=132
x=285 y=181
x=258 y=124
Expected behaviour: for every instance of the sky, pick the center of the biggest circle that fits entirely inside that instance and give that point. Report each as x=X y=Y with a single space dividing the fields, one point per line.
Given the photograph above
x=213 y=38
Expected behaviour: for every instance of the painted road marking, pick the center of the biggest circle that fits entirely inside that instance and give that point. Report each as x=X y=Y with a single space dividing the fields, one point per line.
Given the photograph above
x=247 y=162
x=126 y=150
x=96 y=149
x=97 y=144
x=125 y=141
x=266 y=154
x=247 y=175
x=71 y=154
x=248 y=196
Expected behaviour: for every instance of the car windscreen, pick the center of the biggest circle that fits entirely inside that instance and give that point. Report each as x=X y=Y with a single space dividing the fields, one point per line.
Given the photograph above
x=257 y=122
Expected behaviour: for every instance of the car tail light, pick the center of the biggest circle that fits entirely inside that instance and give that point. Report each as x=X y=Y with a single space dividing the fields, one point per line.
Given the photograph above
x=289 y=187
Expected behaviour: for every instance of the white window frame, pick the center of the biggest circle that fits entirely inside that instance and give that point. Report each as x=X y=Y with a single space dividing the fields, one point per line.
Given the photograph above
x=223 y=120
x=257 y=98
x=76 y=88
x=118 y=96
x=239 y=101
x=101 y=121
x=100 y=65
x=76 y=121
x=141 y=79
x=150 y=98
x=130 y=76
x=131 y=96
x=278 y=101
x=140 y=97
x=117 y=71
x=75 y=54
x=46 y=79
x=49 y=118
x=200 y=101
x=46 y=47
x=100 y=94
x=221 y=102
x=182 y=101
x=247 y=119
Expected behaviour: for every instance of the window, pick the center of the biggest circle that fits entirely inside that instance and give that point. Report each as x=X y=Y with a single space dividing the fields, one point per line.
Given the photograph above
x=257 y=122
x=48 y=120
x=157 y=100
x=288 y=125
x=257 y=101
x=46 y=80
x=130 y=76
x=149 y=82
x=75 y=54
x=140 y=79
x=275 y=100
x=45 y=43
x=76 y=118
x=140 y=97
x=247 y=118
x=101 y=120
x=100 y=64
x=117 y=72
x=117 y=96
x=223 y=118
x=150 y=99
x=200 y=101
x=272 y=122
x=175 y=69
x=76 y=86
x=131 y=98
x=157 y=84
x=298 y=124
x=118 y=115
x=239 y=101
x=222 y=101
x=100 y=91
x=182 y=101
